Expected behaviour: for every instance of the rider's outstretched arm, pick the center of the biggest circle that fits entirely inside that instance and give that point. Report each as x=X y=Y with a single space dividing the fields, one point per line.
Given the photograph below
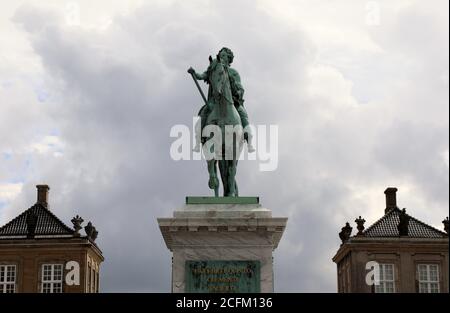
x=201 y=76
x=196 y=75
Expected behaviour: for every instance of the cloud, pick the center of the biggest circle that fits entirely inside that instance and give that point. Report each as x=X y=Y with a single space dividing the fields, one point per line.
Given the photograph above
x=355 y=115
x=9 y=191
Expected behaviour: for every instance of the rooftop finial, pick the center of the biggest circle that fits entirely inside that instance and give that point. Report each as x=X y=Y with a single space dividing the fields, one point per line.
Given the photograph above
x=31 y=221
x=403 y=224
x=445 y=222
x=345 y=233
x=360 y=226
x=77 y=221
x=91 y=231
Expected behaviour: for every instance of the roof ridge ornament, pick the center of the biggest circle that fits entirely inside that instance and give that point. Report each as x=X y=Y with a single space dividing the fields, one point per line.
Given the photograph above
x=31 y=221
x=346 y=232
x=403 y=225
x=360 y=226
x=91 y=231
x=445 y=222
x=77 y=221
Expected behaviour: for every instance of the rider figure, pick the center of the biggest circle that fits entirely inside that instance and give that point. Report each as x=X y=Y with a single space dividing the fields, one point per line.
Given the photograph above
x=225 y=57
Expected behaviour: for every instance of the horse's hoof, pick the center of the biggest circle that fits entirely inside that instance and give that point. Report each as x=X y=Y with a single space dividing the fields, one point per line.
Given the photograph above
x=213 y=182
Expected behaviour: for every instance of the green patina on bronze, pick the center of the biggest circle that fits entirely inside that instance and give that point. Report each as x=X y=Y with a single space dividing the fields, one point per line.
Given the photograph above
x=222 y=108
x=223 y=276
x=222 y=200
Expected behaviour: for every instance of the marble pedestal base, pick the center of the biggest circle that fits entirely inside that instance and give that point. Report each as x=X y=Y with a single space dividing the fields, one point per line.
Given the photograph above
x=222 y=232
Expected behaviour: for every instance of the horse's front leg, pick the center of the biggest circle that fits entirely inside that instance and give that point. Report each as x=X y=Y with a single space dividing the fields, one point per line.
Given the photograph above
x=232 y=165
x=213 y=181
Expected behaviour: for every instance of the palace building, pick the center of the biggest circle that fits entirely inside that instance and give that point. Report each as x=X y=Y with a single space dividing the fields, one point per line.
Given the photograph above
x=398 y=253
x=41 y=254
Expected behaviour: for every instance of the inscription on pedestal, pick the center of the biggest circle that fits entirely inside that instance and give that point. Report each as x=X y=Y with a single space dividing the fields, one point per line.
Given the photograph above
x=222 y=276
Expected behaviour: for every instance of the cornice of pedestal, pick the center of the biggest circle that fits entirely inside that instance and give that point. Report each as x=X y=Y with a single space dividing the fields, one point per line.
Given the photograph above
x=222 y=211
x=218 y=224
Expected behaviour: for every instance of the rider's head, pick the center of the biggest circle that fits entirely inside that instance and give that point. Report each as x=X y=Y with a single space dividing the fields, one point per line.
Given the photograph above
x=228 y=53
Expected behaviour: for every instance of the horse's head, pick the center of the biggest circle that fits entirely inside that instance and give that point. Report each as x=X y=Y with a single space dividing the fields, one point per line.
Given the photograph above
x=213 y=63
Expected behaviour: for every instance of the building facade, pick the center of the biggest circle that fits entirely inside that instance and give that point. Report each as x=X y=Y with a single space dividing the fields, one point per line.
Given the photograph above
x=40 y=254
x=398 y=253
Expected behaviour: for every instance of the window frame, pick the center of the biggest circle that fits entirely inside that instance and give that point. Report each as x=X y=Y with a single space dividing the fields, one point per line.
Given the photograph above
x=381 y=288
x=4 y=283
x=428 y=280
x=52 y=281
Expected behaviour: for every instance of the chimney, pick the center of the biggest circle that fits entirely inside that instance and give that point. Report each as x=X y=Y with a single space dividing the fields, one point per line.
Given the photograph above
x=42 y=194
x=391 y=199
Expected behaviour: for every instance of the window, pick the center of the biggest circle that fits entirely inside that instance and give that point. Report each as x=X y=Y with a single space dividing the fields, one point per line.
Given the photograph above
x=52 y=276
x=92 y=280
x=387 y=281
x=92 y=277
x=344 y=275
x=348 y=279
x=89 y=278
x=7 y=278
x=428 y=275
x=97 y=279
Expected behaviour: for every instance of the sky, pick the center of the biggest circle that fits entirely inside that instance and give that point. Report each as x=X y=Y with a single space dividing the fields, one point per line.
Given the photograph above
x=359 y=91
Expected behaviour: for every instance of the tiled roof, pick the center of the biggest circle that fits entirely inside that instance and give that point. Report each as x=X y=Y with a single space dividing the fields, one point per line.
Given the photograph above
x=387 y=227
x=47 y=224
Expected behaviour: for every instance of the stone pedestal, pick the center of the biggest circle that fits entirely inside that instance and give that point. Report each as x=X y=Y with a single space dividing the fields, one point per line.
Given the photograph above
x=227 y=240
